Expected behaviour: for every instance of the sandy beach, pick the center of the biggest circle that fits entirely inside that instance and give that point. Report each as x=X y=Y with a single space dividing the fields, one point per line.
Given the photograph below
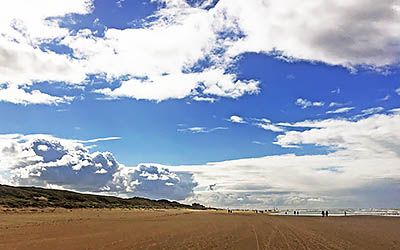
x=186 y=229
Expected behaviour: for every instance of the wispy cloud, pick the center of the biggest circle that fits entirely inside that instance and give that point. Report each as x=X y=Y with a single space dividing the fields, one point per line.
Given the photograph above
x=290 y=77
x=369 y=111
x=120 y=3
x=340 y=110
x=336 y=91
x=111 y=138
x=258 y=143
x=385 y=98
x=395 y=111
x=336 y=104
x=266 y=124
x=61 y=110
x=198 y=130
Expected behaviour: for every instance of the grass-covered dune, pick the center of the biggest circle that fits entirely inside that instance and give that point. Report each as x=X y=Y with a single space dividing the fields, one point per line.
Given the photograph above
x=20 y=197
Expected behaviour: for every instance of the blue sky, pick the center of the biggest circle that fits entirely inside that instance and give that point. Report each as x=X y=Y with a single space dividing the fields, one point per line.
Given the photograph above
x=166 y=78
x=146 y=125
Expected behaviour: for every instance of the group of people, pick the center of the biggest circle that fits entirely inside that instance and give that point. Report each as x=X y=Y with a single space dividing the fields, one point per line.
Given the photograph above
x=325 y=213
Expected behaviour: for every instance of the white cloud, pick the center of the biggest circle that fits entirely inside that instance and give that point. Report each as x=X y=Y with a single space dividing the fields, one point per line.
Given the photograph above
x=336 y=104
x=197 y=130
x=111 y=138
x=120 y=3
x=385 y=98
x=398 y=91
x=258 y=142
x=46 y=161
x=361 y=171
x=22 y=20
x=17 y=95
x=204 y=99
x=333 y=32
x=369 y=111
x=24 y=64
x=348 y=135
x=236 y=119
x=340 y=110
x=395 y=111
x=304 y=103
x=268 y=125
x=163 y=59
x=25 y=25
x=178 y=86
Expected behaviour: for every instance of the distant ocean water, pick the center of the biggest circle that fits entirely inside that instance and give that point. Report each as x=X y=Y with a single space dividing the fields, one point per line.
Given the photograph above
x=341 y=212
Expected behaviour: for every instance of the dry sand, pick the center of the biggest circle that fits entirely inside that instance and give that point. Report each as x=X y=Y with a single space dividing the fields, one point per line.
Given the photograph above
x=183 y=229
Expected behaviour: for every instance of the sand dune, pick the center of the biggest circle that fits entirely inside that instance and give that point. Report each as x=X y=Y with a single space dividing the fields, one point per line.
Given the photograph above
x=186 y=229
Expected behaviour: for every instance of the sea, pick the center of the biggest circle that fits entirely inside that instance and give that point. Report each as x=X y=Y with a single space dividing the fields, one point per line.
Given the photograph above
x=340 y=212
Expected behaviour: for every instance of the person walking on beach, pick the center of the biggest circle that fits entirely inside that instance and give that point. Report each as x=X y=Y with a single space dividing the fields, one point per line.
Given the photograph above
x=323 y=213
x=345 y=213
x=327 y=213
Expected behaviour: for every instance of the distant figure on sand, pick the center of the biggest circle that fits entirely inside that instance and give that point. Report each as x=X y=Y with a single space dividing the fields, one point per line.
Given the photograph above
x=327 y=213
x=323 y=213
x=345 y=213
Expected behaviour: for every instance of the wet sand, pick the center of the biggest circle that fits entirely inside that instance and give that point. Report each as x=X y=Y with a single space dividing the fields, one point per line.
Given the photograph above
x=183 y=229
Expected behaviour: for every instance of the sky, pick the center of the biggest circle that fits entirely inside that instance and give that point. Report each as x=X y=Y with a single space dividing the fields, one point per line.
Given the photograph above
x=240 y=104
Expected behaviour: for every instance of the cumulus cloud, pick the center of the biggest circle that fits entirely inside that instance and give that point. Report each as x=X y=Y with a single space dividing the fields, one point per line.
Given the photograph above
x=21 y=20
x=398 y=91
x=361 y=169
x=236 y=119
x=304 y=103
x=25 y=26
x=46 y=161
x=373 y=134
x=188 y=49
x=334 y=32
